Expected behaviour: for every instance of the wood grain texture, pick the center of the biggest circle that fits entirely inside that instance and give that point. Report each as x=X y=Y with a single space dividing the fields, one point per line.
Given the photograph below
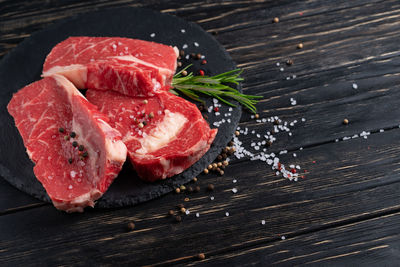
x=343 y=212
x=368 y=242
x=347 y=183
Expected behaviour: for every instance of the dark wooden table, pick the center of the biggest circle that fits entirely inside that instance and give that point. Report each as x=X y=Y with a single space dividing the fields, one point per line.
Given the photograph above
x=346 y=209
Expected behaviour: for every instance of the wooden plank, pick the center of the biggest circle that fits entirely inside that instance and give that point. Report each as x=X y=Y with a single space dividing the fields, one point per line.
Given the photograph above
x=29 y=17
x=371 y=242
x=348 y=180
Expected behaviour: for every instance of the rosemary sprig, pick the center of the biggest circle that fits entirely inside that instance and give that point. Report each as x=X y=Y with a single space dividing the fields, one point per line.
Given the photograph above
x=214 y=86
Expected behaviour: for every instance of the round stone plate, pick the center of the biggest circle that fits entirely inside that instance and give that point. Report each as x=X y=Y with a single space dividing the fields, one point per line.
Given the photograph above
x=23 y=65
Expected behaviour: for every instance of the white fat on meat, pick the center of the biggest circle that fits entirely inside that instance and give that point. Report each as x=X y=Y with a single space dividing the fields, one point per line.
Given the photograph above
x=164 y=133
x=76 y=73
x=136 y=60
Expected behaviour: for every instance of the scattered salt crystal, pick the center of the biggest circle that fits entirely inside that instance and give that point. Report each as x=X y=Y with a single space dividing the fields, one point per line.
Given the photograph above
x=184 y=46
x=303 y=119
x=183 y=30
x=50 y=177
x=196 y=44
x=283 y=237
x=278 y=64
x=217 y=113
x=230 y=109
x=234 y=190
x=294 y=76
x=381 y=130
x=294 y=155
x=281 y=69
x=300 y=148
x=262 y=222
x=197 y=214
x=336 y=140
x=212 y=198
x=187 y=212
x=234 y=181
x=290 y=134
x=355 y=86
x=73 y=174
x=152 y=35
x=226 y=214
x=79 y=180
x=187 y=56
x=70 y=187
x=287 y=78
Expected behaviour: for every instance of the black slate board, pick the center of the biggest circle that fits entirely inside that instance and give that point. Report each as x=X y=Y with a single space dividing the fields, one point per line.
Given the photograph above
x=23 y=65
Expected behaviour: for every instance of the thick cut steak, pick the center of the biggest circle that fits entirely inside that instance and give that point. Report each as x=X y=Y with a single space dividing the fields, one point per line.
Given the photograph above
x=164 y=134
x=51 y=115
x=130 y=66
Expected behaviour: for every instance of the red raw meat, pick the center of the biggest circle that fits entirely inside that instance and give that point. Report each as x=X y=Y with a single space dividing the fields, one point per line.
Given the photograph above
x=130 y=66
x=72 y=178
x=164 y=134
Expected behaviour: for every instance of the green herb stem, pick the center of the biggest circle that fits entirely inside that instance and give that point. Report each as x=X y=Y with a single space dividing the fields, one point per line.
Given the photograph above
x=214 y=86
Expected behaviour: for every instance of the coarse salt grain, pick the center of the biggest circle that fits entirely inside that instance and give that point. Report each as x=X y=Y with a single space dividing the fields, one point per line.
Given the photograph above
x=262 y=222
x=197 y=214
x=283 y=237
x=234 y=181
x=234 y=190
x=212 y=198
x=152 y=35
x=278 y=64
x=355 y=86
x=70 y=187
x=183 y=30
x=196 y=44
x=226 y=214
x=281 y=69
x=184 y=46
x=187 y=212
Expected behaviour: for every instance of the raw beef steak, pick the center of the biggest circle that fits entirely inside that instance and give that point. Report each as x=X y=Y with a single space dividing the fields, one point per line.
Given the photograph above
x=76 y=153
x=164 y=134
x=130 y=66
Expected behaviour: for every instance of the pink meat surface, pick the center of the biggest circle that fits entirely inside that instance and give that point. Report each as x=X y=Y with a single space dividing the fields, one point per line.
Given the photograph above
x=164 y=134
x=129 y=66
x=72 y=178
